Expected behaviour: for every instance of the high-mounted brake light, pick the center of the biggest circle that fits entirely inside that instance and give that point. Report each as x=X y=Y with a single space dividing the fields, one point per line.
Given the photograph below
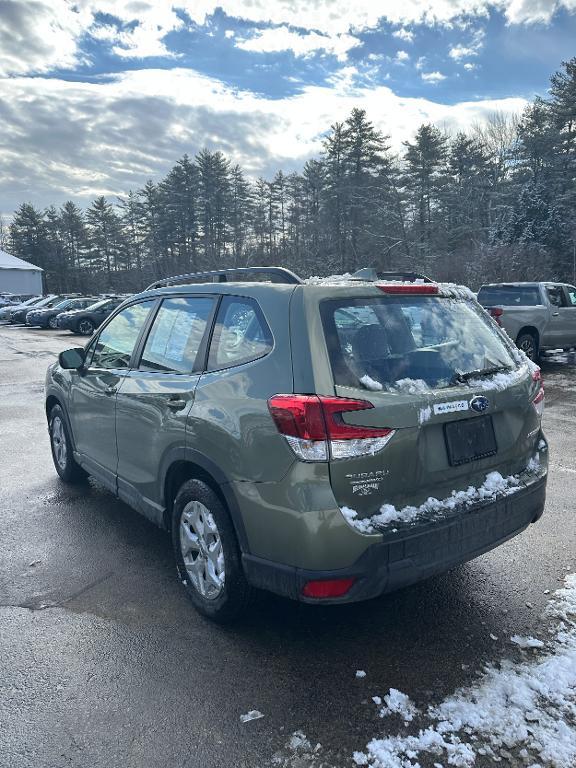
x=327 y=588
x=314 y=428
x=412 y=288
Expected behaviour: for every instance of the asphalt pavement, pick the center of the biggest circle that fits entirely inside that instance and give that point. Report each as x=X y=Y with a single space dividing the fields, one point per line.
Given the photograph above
x=104 y=663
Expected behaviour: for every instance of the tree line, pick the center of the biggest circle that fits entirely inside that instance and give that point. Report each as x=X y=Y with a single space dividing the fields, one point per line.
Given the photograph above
x=495 y=203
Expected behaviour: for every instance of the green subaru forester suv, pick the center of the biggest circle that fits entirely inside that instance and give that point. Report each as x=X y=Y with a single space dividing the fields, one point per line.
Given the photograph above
x=328 y=440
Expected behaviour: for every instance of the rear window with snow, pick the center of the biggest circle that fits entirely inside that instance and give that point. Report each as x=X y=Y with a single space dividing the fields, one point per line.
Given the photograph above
x=410 y=343
x=509 y=296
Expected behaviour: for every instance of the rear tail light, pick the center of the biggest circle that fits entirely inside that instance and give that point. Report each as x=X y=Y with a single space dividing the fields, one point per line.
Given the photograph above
x=496 y=313
x=327 y=588
x=538 y=400
x=411 y=288
x=315 y=430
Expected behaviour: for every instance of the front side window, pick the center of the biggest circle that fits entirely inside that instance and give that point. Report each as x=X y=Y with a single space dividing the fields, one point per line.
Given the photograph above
x=241 y=334
x=176 y=335
x=116 y=342
x=409 y=341
x=571 y=292
x=555 y=296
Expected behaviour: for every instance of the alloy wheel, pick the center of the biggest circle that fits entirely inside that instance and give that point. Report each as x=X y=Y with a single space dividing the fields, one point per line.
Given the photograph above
x=527 y=346
x=86 y=327
x=59 y=442
x=201 y=549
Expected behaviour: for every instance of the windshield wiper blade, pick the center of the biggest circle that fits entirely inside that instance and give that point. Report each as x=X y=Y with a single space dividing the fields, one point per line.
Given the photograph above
x=461 y=377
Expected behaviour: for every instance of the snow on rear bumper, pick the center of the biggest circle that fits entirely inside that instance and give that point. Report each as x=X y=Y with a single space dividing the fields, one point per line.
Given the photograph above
x=414 y=553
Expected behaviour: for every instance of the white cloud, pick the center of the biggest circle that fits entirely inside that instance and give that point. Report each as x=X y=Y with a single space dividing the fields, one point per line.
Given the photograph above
x=42 y=35
x=402 y=57
x=461 y=52
x=433 y=77
x=533 y=11
x=276 y=39
x=421 y=63
x=79 y=139
x=404 y=34
x=469 y=66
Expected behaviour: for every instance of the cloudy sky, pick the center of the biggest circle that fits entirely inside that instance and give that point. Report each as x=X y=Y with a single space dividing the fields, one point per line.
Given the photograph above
x=97 y=96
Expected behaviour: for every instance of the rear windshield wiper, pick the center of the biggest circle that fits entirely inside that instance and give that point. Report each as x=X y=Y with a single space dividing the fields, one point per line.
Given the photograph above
x=461 y=377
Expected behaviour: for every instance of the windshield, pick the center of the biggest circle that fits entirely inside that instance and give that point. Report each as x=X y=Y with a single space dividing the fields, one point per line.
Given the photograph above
x=47 y=301
x=410 y=343
x=62 y=304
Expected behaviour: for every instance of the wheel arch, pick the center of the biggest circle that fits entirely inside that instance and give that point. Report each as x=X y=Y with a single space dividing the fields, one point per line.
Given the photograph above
x=532 y=330
x=192 y=465
x=51 y=401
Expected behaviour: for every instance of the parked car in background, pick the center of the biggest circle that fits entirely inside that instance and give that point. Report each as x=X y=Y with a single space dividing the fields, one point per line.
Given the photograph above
x=46 y=317
x=5 y=312
x=328 y=442
x=85 y=321
x=18 y=315
x=537 y=316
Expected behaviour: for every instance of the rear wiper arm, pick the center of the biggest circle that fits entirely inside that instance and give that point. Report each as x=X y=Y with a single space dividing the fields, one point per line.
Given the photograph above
x=460 y=377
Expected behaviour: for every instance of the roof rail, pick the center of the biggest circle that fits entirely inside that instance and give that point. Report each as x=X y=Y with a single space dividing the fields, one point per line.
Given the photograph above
x=276 y=275
x=371 y=274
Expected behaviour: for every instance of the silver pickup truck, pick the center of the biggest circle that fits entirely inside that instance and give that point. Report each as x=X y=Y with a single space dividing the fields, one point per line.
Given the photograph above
x=537 y=316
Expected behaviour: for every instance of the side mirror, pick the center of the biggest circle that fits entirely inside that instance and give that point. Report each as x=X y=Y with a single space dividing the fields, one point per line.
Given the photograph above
x=71 y=358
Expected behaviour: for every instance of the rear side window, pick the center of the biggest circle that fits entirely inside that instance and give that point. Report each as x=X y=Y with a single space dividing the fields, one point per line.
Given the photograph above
x=571 y=291
x=115 y=344
x=241 y=334
x=409 y=343
x=176 y=335
x=509 y=296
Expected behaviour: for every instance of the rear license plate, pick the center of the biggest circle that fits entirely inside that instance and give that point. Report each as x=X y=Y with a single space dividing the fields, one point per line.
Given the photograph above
x=470 y=440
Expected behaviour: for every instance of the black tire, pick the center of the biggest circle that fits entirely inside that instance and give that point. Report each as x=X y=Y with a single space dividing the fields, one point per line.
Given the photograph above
x=235 y=593
x=65 y=464
x=85 y=327
x=528 y=343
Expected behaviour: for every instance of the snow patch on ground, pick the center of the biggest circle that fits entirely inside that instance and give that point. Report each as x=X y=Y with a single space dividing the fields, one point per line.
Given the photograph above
x=299 y=752
x=527 y=642
x=254 y=714
x=494 y=485
x=360 y=673
x=515 y=714
x=396 y=702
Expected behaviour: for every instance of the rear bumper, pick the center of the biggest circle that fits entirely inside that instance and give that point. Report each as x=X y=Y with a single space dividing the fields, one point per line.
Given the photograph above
x=411 y=555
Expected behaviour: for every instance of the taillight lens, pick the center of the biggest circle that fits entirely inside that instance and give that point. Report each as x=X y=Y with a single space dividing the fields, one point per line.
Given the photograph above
x=315 y=430
x=538 y=400
x=496 y=313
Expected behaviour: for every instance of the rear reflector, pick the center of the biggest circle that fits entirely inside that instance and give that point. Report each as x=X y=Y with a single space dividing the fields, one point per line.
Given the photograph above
x=409 y=288
x=327 y=588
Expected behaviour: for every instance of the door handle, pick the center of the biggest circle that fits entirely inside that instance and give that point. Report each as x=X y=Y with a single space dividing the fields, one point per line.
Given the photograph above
x=110 y=390
x=555 y=314
x=176 y=403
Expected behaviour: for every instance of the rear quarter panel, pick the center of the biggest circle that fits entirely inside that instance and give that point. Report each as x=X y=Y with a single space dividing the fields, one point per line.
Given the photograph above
x=229 y=422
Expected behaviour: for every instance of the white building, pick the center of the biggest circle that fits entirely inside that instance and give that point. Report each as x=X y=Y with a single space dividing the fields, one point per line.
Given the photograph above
x=18 y=276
